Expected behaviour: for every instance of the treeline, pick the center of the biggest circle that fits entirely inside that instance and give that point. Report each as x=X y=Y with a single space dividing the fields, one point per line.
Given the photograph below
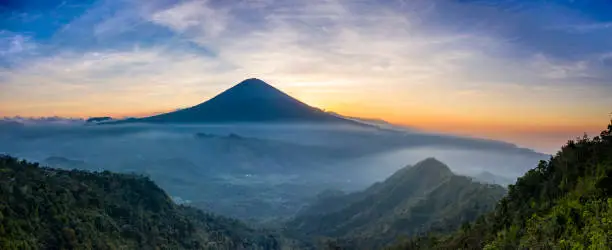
x=45 y=208
x=563 y=203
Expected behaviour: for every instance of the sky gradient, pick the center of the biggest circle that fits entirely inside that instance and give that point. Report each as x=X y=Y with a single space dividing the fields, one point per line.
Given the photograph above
x=531 y=72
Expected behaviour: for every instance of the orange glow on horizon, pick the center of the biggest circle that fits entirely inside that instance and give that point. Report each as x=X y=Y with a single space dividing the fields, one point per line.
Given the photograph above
x=428 y=119
x=527 y=129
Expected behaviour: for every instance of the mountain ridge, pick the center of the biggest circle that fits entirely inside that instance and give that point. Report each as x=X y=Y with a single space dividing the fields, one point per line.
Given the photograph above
x=412 y=200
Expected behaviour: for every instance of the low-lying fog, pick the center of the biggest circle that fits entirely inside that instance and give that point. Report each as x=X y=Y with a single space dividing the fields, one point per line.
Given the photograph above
x=257 y=171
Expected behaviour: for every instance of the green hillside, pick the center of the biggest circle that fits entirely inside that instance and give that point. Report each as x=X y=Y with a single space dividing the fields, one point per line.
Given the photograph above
x=45 y=208
x=424 y=197
x=563 y=203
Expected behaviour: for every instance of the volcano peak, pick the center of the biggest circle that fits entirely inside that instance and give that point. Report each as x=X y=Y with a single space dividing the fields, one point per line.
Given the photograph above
x=251 y=100
x=252 y=81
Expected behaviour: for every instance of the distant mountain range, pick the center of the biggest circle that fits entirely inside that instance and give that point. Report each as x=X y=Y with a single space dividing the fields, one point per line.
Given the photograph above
x=416 y=199
x=251 y=100
x=488 y=177
x=65 y=163
x=6 y=124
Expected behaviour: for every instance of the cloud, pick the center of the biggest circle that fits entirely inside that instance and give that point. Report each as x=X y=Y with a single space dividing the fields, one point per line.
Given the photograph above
x=555 y=70
x=13 y=46
x=401 y=59
x=587 y=27
x=320 y=38
x=194 y=17
x=43 y=120
x=118 y=23
x=106 y=81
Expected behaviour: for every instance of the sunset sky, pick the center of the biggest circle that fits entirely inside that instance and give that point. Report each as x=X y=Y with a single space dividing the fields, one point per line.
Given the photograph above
x=534 y=73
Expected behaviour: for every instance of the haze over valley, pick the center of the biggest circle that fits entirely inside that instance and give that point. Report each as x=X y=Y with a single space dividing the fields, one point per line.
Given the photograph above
x=257 y=167
x=305 y=125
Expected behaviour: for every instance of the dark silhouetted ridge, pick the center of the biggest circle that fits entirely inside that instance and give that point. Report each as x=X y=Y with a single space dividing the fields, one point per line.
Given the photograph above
x=251 y=100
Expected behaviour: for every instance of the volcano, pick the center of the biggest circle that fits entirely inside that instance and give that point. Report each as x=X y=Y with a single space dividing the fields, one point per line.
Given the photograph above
x=251 y=100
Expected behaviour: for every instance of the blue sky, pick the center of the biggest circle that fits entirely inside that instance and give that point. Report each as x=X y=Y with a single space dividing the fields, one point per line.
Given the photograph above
x=479 y=65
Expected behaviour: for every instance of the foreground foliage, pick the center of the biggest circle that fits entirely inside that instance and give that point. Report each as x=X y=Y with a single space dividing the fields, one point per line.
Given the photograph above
x=45 y=208
x=564 y=203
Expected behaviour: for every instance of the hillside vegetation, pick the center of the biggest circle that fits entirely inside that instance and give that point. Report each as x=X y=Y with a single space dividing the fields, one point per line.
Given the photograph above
x=563 y=203
x=424 y=197
x=45 y=208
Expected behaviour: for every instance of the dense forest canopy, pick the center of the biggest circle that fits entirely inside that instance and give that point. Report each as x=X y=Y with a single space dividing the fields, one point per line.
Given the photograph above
x=563 y=203
x=45 y=208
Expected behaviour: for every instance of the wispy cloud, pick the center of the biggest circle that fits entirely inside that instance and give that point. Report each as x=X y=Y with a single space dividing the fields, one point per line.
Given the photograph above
x=404 y=59
x=586 y=27
x=195 y=18
x=105 y=81
x=14 y=44
x=560 y=70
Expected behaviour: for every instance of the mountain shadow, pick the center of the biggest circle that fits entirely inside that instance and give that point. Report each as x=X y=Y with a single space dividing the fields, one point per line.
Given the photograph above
x=251 y=100
x=415 y=199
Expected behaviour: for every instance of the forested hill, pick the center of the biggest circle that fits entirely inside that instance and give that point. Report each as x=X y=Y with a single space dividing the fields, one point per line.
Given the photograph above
x=45 y=208
x=564 y=203
x=415 y=199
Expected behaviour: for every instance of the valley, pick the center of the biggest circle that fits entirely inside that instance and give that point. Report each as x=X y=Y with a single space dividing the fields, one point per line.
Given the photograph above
x=257 y=170
x=298 y=179
x=420 y=206
x=305 y=125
